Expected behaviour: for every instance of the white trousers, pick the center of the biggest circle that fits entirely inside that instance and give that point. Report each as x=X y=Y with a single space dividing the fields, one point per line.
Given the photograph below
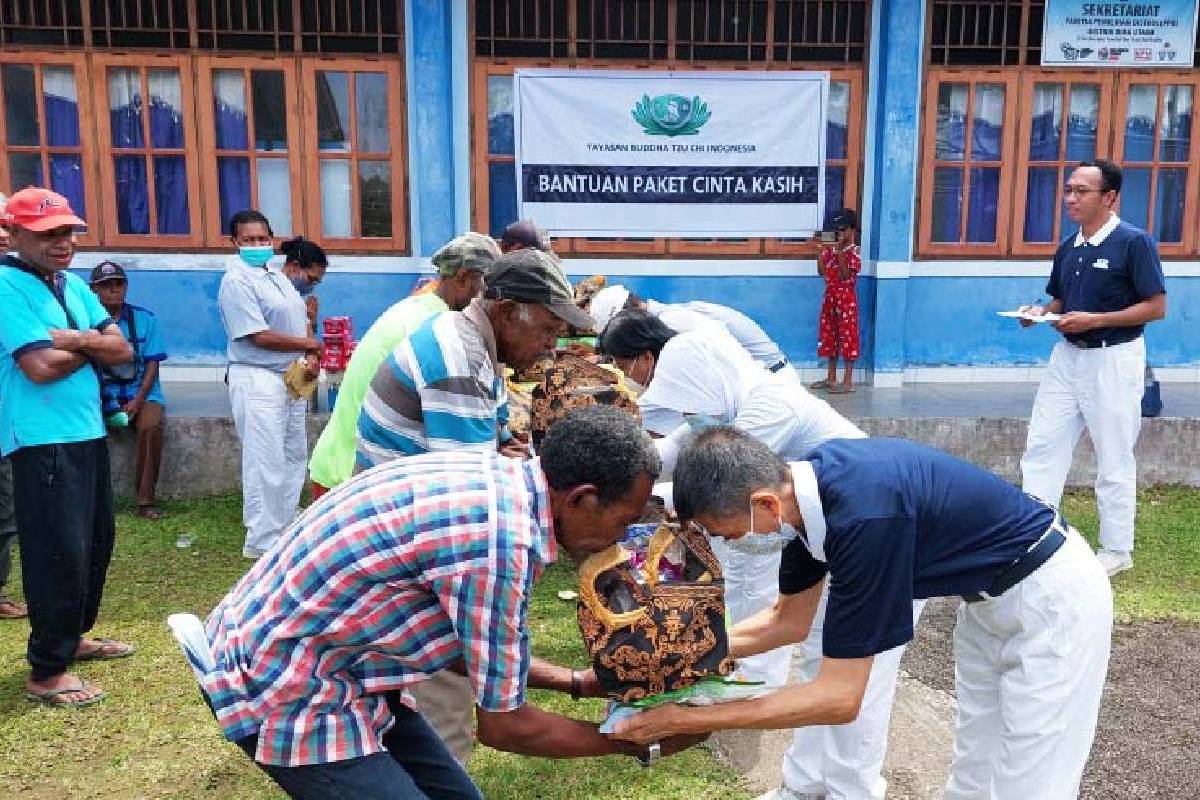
x=845 y=762
x=1100 y=389
x=752 y=585
x=1029 y=669
x=274 y=451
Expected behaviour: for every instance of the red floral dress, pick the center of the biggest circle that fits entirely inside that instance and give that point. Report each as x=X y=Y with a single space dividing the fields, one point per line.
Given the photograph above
x=838 y=331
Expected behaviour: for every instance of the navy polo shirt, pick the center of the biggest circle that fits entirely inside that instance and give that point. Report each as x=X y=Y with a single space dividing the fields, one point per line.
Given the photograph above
x=1116 y=268
x=901 y=522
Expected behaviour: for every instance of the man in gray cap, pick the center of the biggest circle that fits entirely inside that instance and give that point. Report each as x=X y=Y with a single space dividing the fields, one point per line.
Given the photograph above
x=461 y=264
x=443 y=388
x=524 y=233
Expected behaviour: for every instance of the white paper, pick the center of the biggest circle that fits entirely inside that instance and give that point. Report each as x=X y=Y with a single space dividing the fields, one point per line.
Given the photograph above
x=1018 y=314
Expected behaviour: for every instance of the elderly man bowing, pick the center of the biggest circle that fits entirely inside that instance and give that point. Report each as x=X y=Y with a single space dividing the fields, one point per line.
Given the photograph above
x=419 y=565
x=887 y=521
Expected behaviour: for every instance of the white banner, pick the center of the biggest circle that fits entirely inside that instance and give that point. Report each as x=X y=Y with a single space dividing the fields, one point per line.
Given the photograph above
x=671 y=154
x=1077 y=34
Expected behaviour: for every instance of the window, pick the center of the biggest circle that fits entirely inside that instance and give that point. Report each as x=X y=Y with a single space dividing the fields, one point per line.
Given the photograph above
x=985 y=32
x=354 y=146
x=967 y=163
x=663 y=34
x=149 y=187
x=44 y=131
x=249 y=129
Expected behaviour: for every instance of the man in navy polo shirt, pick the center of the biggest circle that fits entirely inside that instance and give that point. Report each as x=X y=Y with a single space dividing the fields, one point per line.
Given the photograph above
x=1107 y=282
x=889 y=521
x=54 y=336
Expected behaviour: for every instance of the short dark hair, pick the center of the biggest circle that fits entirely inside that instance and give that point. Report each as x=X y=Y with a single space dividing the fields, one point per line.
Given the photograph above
x=633 y=332
x=245 y=217
x=1111 y=176
x=303 y=252
x=600 y=445
x=719 y=470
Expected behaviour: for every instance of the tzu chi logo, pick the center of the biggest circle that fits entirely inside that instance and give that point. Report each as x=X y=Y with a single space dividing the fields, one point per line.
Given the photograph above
x=671 y=115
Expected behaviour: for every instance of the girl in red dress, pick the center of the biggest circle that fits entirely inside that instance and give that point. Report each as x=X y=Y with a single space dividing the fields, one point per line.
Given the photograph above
x=838 y=332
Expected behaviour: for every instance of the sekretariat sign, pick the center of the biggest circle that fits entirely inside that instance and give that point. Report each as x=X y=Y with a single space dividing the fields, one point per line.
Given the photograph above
x=1076 y=34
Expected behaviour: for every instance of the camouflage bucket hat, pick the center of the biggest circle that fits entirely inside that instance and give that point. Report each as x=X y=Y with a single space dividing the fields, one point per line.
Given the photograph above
x=472 y=250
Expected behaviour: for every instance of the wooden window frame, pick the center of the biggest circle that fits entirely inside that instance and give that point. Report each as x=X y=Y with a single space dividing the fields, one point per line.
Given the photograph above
x=398 y=141
x=93 y=213
x=929 y=161
x=483 y=68
x=1160 y=79
x=1106 y=80
x=101 y=62
x=210 y=185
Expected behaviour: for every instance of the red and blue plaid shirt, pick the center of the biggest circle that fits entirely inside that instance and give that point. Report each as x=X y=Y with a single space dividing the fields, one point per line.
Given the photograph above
x=393 y=576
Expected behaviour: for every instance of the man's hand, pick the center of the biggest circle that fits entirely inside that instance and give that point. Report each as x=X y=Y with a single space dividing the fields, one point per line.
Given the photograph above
x=1079 y=322
x=515 y=448
x=132 y=407
x=67 y=339
x=312 y=305
x=312 y=366
x=659 y=724
x=1036 y=311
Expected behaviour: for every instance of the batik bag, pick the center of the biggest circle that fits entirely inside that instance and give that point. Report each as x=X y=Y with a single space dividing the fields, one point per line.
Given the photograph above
x=646 y=635
x=571 y=382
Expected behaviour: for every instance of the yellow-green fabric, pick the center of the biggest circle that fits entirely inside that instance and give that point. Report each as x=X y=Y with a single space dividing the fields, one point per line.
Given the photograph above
x=332 y=461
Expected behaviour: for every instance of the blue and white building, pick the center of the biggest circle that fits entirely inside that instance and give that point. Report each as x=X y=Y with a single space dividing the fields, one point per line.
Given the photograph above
x=381 y=128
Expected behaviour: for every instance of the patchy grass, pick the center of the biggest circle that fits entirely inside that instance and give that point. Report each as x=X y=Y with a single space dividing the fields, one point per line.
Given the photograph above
x=154 y=738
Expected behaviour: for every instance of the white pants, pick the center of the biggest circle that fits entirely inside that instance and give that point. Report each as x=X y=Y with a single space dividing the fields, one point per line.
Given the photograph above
x=1100 y=389
x=845 y=762
x=751 y=585
x=1029 y=670
x=274 y=451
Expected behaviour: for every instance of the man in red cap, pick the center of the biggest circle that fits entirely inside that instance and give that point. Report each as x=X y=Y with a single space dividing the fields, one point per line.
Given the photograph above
x=54 y=337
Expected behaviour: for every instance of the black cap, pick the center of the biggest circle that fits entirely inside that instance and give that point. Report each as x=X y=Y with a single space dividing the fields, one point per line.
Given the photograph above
x=107 y=271
x=533 y=276
x=844 y=218
x=524 y=233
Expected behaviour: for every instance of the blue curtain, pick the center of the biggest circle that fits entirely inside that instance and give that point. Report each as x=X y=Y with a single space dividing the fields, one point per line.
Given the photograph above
x=133 y=202
x=1043 y=138
x=981 y=207
x=1040 y=205
x=835 y=183
x=233 y=172
x=170 y=172
x=502 y=196
x=1169 y=199
x=66 y=170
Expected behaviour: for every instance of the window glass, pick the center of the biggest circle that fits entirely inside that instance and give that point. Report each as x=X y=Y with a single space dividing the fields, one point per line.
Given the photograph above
x=1083 y=122
x=371 y=106
x=336 y=198
x=270 y=111
x=1139 y=122
x=20 y=95
x=333 y=110
x=500 y=115
x=1175 y=126
x=987 y=126
x=375 y=198
x=1046 y=122
x=951 y=121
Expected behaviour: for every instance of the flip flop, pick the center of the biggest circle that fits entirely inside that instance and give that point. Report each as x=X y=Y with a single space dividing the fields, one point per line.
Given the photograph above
x=821 y=384
x=114 y=649
x=47 y=698
x=841 y=389
x=149 y=512
x=11 y=609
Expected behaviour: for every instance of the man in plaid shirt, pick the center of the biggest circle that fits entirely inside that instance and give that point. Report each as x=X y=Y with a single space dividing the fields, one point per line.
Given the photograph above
x=414 y=566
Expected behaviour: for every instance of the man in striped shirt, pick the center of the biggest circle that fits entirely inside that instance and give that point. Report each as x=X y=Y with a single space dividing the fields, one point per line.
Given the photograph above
x=412 y=567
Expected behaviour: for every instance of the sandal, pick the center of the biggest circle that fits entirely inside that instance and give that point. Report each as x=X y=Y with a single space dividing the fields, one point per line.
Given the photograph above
x=841 y=389
x=50 y=696
x=108 y=650
x=149 y=512
x=822 y=384
x=11 y=609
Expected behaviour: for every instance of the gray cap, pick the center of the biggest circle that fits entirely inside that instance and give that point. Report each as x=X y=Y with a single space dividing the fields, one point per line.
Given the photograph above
x=534 y=276
x=472 y=250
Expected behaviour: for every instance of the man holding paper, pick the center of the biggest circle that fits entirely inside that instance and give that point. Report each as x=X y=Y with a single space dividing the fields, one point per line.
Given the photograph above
x=1107 y=282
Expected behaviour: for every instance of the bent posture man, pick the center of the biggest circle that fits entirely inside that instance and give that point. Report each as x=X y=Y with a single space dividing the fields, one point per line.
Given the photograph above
x=418 y=565
x=888 y=521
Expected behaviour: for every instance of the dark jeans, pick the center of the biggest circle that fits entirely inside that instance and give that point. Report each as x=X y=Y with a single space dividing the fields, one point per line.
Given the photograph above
x=416 y=766
x=8 y=523
x=65 y=522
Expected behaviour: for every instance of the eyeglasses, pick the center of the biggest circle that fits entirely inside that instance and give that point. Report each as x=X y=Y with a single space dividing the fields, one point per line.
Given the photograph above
x=1080 y=191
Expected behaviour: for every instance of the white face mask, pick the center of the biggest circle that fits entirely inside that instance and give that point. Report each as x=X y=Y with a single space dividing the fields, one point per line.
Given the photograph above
x=761 y=544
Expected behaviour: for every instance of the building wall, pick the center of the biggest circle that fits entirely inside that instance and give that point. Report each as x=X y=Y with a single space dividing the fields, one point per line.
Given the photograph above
x=917 y=317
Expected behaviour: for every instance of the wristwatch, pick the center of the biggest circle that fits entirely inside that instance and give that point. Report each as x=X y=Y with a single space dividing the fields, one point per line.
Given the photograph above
x=653 y=753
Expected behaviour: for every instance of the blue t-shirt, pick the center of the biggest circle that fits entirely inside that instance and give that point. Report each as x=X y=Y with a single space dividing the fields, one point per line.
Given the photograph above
x=62 y=411
x=147 y=346
x=1120 y=271
x=904 y=522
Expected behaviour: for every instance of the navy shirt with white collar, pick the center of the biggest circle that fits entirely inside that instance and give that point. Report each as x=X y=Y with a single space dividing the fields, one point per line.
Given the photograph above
x=891 y=521
x=1113 y=269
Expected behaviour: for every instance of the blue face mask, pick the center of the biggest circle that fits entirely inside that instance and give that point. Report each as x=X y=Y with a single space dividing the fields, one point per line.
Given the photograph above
x=761 y=544
x=256 y=256
x=303 y=285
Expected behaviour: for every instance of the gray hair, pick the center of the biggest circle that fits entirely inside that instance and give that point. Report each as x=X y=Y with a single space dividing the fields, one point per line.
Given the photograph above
x=600 y=445
x=716 y=474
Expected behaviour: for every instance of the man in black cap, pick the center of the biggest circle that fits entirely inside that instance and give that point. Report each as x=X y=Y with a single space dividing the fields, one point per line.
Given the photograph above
x=443 y=388
x=134 y=389
x=524 y=234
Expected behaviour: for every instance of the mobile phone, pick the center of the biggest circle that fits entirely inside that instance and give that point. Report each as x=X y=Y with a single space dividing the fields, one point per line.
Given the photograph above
x=828 y=237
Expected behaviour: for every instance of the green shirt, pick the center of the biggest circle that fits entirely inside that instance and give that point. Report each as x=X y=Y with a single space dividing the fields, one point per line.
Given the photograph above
x=332 y=461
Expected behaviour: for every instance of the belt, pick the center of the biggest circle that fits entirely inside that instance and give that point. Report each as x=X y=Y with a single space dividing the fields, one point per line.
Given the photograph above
x=1084 y=345
x=1054 y=538
x=778 y=365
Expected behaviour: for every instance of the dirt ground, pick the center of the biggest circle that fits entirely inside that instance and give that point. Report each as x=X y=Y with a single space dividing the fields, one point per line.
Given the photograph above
x=1148 y=741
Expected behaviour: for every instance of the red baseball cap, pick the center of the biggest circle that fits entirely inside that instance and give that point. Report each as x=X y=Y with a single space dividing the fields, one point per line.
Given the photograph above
x=39 y=210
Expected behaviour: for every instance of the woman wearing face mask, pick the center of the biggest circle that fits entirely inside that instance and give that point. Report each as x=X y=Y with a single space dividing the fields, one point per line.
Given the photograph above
x=693 y=380
x=305 y=264
x=267 y=324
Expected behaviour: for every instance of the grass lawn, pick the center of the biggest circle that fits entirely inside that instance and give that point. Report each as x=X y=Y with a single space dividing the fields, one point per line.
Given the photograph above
x=153 y=737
